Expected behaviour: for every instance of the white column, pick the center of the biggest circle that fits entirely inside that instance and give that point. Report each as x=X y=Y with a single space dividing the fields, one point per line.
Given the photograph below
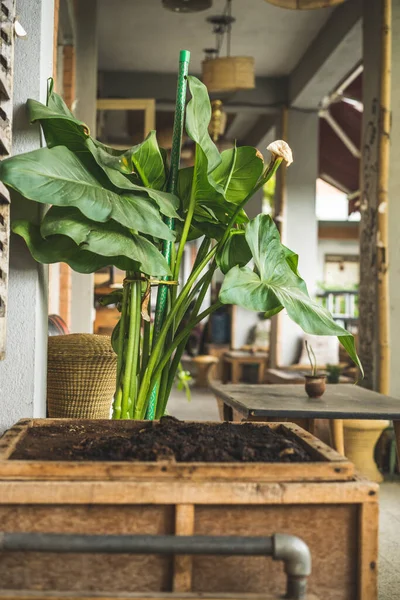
x=23 y=372
x=82 y=312
x=300 y=225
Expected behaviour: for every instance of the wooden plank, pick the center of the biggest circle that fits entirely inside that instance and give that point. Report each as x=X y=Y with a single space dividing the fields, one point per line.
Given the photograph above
x=11 y=438
x=7 y=17
x=124 y=103
x=184 y=492
x=150 y=116
x=163 y=471
x=46 y=595
x=333 y=546
x=368 y=551
x=184 y=525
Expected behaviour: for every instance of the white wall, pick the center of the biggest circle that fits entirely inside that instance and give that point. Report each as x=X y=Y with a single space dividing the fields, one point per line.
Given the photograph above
x=23 y=372
x=349 y=247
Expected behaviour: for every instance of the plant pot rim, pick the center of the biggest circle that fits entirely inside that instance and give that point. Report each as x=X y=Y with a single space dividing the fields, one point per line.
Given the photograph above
x=314 y=377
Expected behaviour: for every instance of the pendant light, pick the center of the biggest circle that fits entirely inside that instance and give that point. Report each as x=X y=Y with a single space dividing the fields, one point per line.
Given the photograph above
x=187 y=6
x=304 y=4
x=226 y=73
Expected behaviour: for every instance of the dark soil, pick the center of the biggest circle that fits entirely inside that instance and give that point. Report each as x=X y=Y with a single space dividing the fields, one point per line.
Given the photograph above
x=168 y=439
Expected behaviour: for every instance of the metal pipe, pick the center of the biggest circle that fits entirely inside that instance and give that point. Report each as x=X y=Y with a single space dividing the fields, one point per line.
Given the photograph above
x=297 y=558
x=137 y=544
x=288 y=548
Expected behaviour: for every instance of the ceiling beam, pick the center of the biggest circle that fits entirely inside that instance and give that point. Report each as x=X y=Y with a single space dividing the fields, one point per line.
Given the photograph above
x=270 y=92
x=330 y=57
x=260 y=130
x=240 y=125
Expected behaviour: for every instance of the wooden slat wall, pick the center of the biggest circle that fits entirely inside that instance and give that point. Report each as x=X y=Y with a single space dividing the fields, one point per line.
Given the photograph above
x=7 y=15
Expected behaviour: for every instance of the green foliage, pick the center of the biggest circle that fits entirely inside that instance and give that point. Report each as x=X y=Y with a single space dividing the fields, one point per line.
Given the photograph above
x=234 y=252
x=333 y=373
x=111 y=207
x=274 y=284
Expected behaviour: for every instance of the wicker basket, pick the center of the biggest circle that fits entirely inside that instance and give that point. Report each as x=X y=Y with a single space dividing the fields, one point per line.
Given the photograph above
x=304 y=4
x=228 y=74
x=81 y=376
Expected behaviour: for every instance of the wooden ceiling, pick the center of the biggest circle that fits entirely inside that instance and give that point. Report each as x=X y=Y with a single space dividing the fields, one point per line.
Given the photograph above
x=337 y=165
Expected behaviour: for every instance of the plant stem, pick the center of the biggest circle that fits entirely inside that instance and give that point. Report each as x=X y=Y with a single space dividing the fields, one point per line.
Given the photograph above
x=188 y=221
x=158 y=347
x=120 y=356
x=163 y=400
x=146 y=342
x=179 y=338
x=135 y=333
x=131 y=352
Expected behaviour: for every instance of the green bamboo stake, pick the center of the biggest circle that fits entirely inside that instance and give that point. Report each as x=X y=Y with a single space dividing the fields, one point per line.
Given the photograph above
x=162 y=296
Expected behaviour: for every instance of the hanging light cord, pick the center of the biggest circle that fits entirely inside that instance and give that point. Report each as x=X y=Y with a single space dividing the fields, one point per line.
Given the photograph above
x=222 y=28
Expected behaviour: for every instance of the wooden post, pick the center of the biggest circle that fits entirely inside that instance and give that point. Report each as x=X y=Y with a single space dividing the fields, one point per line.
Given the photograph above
x=55 y=38
x=374 y=289
x=69 y=78
x=184 y=525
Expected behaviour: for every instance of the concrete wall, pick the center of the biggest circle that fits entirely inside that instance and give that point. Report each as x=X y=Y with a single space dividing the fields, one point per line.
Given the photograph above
x=23 y=372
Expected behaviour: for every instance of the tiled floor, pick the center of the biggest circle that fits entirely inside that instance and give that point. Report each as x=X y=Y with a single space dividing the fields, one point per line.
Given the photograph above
x=203 y=407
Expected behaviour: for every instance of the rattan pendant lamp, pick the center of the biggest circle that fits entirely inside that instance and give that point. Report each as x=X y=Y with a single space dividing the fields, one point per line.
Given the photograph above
x=226 y=73
x=304 y=4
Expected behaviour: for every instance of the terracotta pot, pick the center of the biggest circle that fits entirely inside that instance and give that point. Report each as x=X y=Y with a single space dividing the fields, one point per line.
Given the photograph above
x=315 y=385
x=360 y=438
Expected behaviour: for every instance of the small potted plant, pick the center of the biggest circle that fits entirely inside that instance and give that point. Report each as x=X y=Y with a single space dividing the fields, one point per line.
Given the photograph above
x=316 y=382
x=333 y=373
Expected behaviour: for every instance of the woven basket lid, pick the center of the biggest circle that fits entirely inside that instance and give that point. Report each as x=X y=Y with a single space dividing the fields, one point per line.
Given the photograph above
x=228 y=74
x=77 y=345
x=304 y=4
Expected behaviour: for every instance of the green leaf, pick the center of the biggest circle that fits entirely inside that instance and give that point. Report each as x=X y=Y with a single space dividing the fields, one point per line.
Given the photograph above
x=238 y=172
x=62 y=249
x=275 y=286
x=167 y=203
x=198 y=116
x=57 y=176
x=235 y=251
x=105 y=239
x=59 y=125
x=145 y=159
x=292 y=259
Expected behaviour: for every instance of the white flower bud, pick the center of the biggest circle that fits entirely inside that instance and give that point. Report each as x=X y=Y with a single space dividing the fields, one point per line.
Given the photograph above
x=280 y=149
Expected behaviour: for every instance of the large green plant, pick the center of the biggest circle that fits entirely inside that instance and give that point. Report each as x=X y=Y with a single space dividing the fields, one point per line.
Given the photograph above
x=109 y=207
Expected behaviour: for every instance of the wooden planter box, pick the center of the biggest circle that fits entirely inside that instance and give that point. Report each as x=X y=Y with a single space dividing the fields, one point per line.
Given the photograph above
x=322 y=502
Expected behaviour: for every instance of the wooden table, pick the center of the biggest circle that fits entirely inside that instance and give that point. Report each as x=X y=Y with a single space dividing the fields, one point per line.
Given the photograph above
x=234 y=360
x=340 y=401
x=294 y=376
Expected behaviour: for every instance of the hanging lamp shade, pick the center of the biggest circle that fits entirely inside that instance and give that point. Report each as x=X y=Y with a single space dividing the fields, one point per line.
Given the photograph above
x=304 y=4
x=187 y=6
x=228 y=74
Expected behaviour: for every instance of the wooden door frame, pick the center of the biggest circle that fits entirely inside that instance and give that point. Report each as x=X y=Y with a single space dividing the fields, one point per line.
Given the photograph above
x=148 y=105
